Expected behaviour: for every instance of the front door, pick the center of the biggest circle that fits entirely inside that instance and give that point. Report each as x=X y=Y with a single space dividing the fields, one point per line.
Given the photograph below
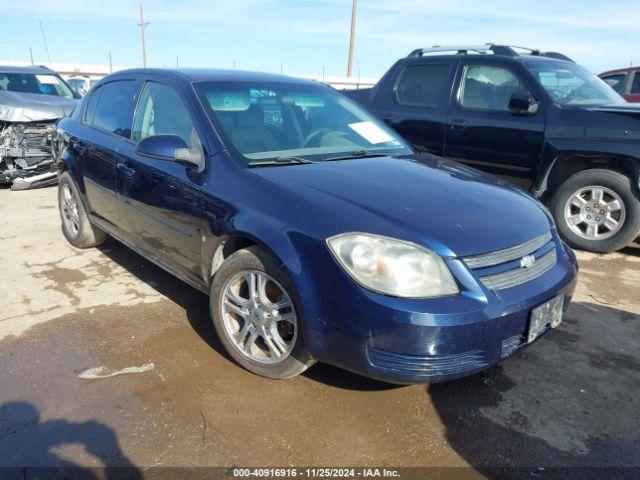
x=160 y=200
x=482 y=132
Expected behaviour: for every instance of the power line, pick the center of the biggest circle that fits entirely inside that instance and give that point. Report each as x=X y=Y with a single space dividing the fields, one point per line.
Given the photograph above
x=44 y=39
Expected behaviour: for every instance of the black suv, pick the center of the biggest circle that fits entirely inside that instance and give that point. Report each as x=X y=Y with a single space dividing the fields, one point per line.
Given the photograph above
x=538 y=119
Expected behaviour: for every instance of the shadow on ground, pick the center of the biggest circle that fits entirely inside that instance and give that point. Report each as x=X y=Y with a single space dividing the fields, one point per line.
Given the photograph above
x=555 y=411
x=27 y=447
x=194 y=303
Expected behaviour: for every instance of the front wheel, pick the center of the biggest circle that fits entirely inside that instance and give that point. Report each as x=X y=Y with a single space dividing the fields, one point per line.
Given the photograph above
x=254 y=312
x=597 y=210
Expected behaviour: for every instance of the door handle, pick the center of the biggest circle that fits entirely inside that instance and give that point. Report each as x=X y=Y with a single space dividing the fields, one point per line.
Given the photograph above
x=387 y=120
x=79 y=147
x=458 y=126
x=128 y=171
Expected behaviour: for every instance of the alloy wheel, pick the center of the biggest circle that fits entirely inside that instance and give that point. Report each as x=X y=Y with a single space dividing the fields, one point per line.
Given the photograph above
x=595 y=212
x=258 y=316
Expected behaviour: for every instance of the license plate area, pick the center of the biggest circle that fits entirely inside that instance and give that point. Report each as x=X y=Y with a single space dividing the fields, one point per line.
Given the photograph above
x=547 y=315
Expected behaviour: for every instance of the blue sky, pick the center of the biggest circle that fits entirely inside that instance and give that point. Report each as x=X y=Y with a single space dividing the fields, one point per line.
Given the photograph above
x=307 y=35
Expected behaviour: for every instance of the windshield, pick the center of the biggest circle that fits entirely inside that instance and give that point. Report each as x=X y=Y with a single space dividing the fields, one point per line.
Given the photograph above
x=274 y=120
x=44 y=84
x=572 y=85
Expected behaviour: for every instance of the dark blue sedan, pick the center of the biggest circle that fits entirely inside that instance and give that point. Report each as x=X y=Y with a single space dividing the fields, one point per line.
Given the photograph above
x=318 y=233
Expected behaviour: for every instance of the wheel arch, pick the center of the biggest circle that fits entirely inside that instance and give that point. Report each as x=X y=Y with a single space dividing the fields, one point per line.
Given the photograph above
x=566 y=164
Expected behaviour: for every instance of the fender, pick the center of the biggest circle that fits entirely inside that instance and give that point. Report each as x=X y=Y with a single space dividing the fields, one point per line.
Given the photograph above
x=287 y=244
x=594 y=150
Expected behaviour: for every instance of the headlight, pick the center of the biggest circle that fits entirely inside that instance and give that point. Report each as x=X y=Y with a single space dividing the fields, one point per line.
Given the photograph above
x=6 y=113
x=392 y=267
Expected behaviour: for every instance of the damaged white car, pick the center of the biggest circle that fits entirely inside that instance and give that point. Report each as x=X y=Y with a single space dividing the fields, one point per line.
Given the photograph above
x=32 y=99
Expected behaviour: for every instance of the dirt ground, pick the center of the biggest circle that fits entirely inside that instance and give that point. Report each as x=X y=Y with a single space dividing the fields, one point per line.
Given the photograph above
x=572 y=400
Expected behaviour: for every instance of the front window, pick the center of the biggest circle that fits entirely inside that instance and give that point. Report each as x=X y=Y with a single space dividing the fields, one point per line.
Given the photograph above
x=571 y=85
x=272 y=120
x=44 y=84
x=488 y=87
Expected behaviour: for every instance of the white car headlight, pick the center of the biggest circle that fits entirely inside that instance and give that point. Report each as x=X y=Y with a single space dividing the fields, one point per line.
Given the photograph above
x=393 y=267
x=6 y=113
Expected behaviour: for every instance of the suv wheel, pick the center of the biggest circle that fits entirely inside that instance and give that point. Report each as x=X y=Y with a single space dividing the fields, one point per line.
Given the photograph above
x=597 y=210
x=254 y=312
x=76 y=226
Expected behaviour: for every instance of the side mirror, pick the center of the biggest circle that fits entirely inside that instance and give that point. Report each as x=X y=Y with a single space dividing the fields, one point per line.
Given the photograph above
x=172 y=148
x=522 y=103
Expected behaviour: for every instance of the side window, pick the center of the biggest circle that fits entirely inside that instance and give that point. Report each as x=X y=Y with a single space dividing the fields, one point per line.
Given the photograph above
x=90 y=108
x=423 y=85
x=114 y=107
x=635 y=86
x=487 y=87
x=617 y=82
x=162 y=112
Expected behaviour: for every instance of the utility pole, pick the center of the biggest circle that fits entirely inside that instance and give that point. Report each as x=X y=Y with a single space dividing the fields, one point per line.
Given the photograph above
x=177 y=62
x=31 y=55
x=142 y=26
x=44 y=39
x=352 y=38
x=110 y=63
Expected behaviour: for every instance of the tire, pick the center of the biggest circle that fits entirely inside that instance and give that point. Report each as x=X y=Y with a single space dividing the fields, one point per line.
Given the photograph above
x=591 y=233
x=236 y=329
x=76 y=227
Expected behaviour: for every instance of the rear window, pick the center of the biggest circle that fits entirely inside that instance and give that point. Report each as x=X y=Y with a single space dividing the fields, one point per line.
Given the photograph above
x=635 y=86
x=113 y=113
x=617 y=82
x=423 y=85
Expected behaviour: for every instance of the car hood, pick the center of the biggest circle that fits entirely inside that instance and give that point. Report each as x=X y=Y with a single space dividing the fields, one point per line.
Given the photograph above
x=450 y=208
x=34 y=107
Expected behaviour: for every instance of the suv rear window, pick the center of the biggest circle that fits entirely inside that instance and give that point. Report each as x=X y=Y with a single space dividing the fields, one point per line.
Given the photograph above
x=635 y=86
x=617 y=82
x=423 y=85
x=113 y=113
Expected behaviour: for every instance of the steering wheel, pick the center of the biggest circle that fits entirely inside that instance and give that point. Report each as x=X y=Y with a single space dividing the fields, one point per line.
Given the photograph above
x=314 y=135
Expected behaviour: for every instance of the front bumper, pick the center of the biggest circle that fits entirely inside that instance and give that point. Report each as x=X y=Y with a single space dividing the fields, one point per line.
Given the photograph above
x=425 y=340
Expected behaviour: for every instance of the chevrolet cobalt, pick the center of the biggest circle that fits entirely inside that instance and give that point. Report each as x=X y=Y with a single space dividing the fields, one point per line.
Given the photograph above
x=317 y=232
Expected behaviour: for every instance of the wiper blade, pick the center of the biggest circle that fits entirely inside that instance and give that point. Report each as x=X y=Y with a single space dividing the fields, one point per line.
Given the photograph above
x=354 y=155
x=280 y=161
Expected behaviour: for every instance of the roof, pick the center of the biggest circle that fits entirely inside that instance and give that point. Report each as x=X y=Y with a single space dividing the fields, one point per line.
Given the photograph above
x=504 y=51
x=210 y=74
x=33 y=69
x=620 y=70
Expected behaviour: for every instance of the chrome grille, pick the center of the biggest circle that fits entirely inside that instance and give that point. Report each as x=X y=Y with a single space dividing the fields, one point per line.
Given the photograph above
x=511 y=278
x=488 y=265
x=508 y=254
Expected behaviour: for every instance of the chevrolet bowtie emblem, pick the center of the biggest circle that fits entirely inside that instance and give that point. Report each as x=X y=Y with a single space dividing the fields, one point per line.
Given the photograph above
x=527 y=261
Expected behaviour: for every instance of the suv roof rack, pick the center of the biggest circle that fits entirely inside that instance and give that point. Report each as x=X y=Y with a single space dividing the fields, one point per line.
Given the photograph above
x=504 y=50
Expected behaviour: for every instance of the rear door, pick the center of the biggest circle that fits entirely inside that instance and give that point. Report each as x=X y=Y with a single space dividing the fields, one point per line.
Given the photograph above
x=161 y=202
x=482 y=132
x=107 y=122
x=415 y=105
